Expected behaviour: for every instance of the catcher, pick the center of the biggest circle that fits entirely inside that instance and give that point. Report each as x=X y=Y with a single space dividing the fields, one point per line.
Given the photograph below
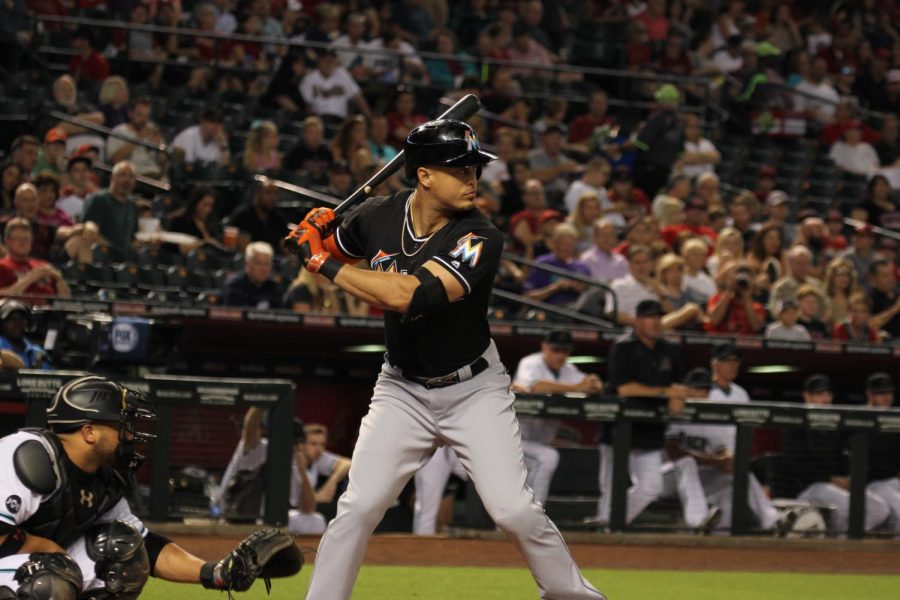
x=66 y=531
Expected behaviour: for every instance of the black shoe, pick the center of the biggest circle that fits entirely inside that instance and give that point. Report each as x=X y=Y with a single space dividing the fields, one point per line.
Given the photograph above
x=710 y=521
x=786 y=523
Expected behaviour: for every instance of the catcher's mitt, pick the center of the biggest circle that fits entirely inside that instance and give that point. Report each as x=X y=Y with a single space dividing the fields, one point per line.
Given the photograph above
x=265 y=553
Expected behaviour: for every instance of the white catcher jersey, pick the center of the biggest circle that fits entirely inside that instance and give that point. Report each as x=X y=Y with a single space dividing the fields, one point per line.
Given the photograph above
x=710 y=438
x=532 y=369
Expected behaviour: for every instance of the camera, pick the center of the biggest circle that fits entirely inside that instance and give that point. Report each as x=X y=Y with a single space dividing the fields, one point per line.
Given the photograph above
x=742 y=282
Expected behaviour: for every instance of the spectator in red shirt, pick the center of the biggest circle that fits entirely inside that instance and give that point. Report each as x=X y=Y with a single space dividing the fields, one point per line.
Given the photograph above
x=843 y=118
x=640 y=232
x=732 y=309
x=694 y=221
x=88 y=64
x=404 y=116
x=674 y=57
x=21 y=274
x=583 y=126
x=631 y=201
x=47 y=185
x=655 y=20
x=765 y=182
x=637 y=51
x=856 y=328
x=525 y=225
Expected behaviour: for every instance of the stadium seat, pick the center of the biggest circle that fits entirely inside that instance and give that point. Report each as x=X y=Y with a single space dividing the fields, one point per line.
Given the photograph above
x=204 y=260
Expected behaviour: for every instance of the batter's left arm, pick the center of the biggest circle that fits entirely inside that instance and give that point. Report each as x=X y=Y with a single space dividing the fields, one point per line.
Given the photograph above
x=393 y=291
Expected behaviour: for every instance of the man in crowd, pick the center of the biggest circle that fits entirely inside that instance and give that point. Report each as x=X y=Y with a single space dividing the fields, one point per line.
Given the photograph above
x=643 y=364
x=551 y=167
x=884 y=452
x=310 y=156
x=205 y=142
x=139 y=126
x=551 y=288
x=602 y=261
x=254 y=287
x=260 y=219
x=814 y=466
x=712 y=446
x=74 y=194
x=329 y=89
x=115 y=212
x=885 y=298
x=25 y=153
x=694 y=223
x=861 y=253
x=15 y=318
x=19 y=273
x=799 y=262
x=548 y=372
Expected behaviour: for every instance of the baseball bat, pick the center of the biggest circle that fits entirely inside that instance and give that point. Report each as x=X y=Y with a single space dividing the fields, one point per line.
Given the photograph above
x=466 y=107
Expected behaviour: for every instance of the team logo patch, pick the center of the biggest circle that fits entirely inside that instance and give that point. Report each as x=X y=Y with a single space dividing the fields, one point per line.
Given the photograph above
x=471 y=141
x=14 y=504
x=468 y=249
x=384 y=262
x=87 y=498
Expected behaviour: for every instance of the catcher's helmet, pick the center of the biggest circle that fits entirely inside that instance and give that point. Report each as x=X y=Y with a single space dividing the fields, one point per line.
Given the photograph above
x=446 y=143
x=98 y=399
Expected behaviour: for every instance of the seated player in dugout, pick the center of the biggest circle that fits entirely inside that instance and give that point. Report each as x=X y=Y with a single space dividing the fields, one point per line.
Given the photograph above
x=66 y=530
x=243 y=483
x=323 y=464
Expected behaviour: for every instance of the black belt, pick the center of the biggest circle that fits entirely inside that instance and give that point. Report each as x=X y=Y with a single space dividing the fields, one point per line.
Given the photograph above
x=455 y=377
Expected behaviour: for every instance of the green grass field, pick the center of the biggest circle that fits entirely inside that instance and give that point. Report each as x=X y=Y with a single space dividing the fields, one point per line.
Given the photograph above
x=446 y=583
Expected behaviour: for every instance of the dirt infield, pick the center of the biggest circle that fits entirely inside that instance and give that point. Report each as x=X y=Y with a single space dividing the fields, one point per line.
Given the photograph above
x=859 y=557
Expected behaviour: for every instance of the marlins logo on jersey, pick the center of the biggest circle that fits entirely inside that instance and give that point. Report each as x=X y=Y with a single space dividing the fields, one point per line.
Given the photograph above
x=384 y=262
x=468 y=249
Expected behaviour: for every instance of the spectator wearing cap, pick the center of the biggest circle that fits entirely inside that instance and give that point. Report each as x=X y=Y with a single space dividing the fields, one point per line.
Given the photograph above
x=51 y=157
x=834 y=221
x=765 y=182
x=887 y=249
x=885 y=298
x=22 y=275
x=554 y=289
x=404 y=117
x=139 y=127
x=778 y=206
x=810 y=303
x=80 y=186
x=890 y=100
x=881 y=210
x=699 y=155
x=310 y=157
x=884 y=451
x=857 y=327
x=694 y=223
x=643 y=363
x=340 y=179
x=254 y=287
x=205 y=142
x=799 y=262
x=260 y=220
x=87 y=64
x=551 y=166
x=548 y=372
x=48 y=213
x=629 y=201
x=861 y=254
x=712 y=446
x=640 y=285
x=660 y=142
x=786 y=327
x=814 y=466
x=25 y=149
x=15 y=318
x=852 y=154
x=115 y=212
x=603 y=263
x=732 y=308
x=329 y=89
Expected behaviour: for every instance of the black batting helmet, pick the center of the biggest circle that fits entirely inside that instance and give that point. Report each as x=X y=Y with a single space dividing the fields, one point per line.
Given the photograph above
x=445 y=143
x=94 y=399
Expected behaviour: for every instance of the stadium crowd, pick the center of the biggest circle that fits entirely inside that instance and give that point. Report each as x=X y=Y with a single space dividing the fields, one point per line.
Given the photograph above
x=756 y=196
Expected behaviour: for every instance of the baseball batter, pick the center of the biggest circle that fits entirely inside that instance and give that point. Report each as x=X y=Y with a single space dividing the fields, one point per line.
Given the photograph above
x=432 y=259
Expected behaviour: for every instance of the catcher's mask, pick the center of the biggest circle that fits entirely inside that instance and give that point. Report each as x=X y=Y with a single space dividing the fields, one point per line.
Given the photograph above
x=95 y=399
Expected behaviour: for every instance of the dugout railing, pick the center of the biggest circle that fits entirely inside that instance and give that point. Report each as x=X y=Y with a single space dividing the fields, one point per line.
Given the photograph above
x=36 y=388
x=858 y=422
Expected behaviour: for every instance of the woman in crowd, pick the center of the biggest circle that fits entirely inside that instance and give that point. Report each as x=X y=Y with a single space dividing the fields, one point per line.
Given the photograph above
x=729 y=247
x=698 y=282
x=198 y=218
x=670 y=277
x=880 y=207
x=261 y=150
x=47 y=185
x=767 y=255
x=10 y=178
x=840 y=285
x=310 y=293
x=587 y=210
x=351 y=144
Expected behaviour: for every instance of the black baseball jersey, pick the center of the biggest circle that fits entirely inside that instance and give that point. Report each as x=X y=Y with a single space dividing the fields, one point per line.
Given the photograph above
x=468 y=246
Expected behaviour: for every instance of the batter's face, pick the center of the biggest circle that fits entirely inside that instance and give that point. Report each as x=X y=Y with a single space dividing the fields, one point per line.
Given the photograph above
x=453 y=187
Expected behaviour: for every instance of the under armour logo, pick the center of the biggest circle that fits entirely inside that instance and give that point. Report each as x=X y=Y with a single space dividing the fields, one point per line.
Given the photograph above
x=87 y=498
